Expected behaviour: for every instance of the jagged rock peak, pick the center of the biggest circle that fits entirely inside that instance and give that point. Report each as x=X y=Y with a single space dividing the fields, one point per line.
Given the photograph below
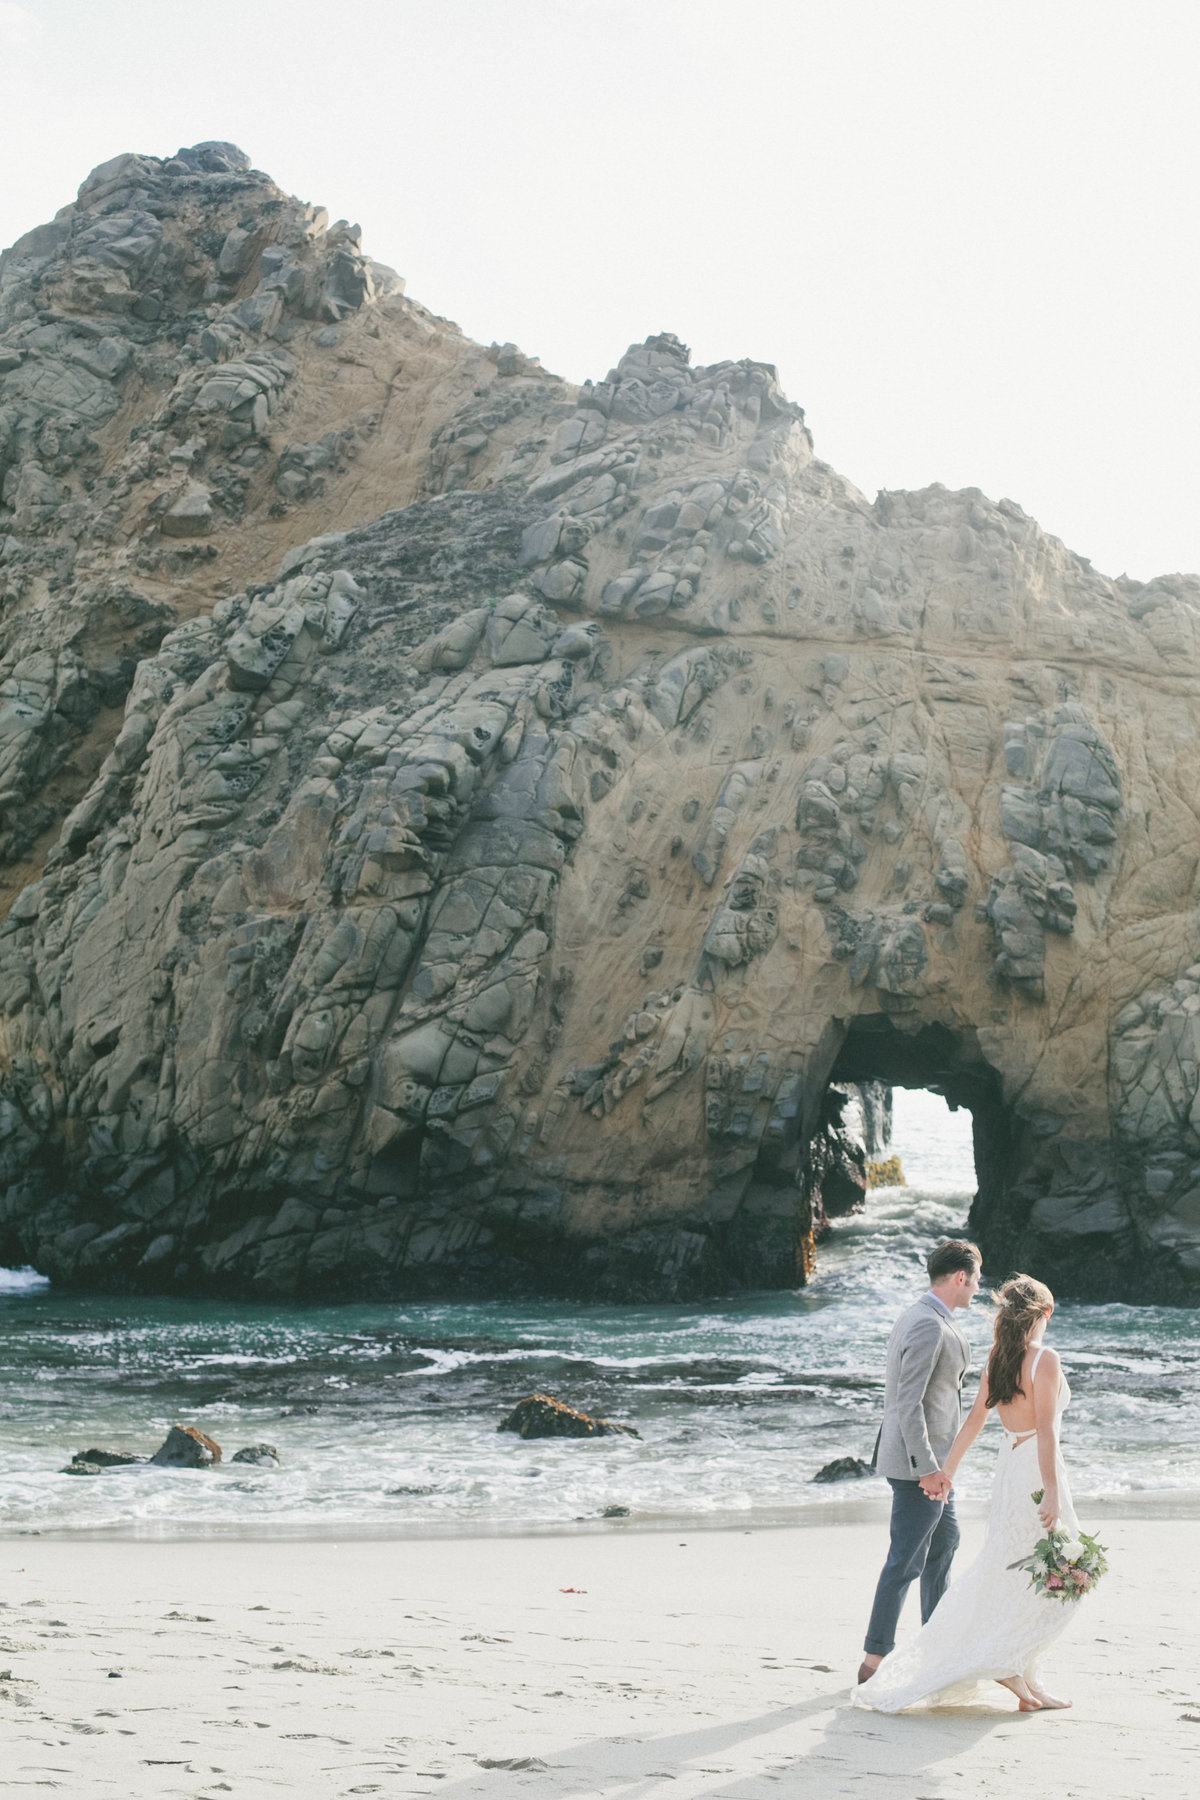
x=134 y=243
x=130 y=174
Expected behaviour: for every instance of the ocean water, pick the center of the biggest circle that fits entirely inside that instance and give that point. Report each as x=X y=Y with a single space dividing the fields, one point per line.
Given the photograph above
x=385 y=1416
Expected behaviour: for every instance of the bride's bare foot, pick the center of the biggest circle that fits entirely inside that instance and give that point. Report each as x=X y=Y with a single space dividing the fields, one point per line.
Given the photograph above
x=1049 y=1701
x=1027 y=1701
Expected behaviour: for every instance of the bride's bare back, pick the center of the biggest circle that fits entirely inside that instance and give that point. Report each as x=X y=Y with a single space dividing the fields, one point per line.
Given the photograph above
x=1040 y=1383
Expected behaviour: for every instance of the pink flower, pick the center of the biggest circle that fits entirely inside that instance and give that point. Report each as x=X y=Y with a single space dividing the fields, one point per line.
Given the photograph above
x=1081 y=1578
x=1054 y=1581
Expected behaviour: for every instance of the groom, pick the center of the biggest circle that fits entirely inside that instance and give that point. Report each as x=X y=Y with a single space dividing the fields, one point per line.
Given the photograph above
x=927 y=1362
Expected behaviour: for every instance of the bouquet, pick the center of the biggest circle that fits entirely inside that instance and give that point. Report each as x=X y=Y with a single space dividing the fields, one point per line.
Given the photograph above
x=1063 y=1567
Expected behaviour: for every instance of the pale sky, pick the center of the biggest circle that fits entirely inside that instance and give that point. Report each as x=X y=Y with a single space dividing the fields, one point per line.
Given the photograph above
x=966 y=234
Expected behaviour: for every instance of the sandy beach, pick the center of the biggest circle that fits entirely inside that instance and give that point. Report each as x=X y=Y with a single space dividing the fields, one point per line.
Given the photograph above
x=631 y=1662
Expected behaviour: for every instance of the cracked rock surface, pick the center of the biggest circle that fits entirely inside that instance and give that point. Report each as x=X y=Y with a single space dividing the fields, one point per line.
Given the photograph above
x=457 y=825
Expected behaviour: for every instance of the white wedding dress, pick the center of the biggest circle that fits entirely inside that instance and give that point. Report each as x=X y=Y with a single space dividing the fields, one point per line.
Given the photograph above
x=990 y=1624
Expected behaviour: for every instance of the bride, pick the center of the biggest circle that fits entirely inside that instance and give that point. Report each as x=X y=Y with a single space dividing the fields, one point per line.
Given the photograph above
x=991 y=1625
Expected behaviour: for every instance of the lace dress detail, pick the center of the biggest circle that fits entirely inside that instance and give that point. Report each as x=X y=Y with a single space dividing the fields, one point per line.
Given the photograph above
x=990 y=1624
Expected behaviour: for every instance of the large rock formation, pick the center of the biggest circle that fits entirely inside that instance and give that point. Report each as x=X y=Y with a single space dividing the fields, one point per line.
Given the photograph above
x=458 y=825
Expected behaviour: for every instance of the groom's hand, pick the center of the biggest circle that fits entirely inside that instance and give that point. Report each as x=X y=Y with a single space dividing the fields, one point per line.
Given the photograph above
x=936 y=1486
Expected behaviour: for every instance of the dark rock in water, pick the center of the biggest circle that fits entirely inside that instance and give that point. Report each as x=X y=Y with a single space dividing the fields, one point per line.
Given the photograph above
x=410 y=1492
x=265 y=1455
x=539 y=1416
x=78 y=1467
x=837 y=1162
x=615 y=1512
x=103 y=1459
x=186 y=1448
x=846 y=1468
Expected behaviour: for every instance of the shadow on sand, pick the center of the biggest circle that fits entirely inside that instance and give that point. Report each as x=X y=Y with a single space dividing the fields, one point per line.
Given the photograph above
x=824 y=1747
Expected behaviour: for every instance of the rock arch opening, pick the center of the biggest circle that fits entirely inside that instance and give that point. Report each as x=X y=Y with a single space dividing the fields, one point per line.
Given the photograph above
x=809 y=1163
x=875 y=1053
x=932 y=1144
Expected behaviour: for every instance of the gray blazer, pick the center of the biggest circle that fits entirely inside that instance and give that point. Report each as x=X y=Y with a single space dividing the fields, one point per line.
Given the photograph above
x=927 y=1362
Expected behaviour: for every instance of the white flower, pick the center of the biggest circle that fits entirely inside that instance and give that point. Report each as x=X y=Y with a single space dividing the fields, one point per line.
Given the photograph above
x=1072 y=1550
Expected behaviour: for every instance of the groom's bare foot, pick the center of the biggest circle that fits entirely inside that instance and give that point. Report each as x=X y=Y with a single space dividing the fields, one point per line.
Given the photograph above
x=868 y=1666
x=1049 y=1701
x=1026 y=1699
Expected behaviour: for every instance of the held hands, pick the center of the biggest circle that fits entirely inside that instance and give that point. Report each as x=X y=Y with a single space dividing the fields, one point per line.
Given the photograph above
x=937 y=1486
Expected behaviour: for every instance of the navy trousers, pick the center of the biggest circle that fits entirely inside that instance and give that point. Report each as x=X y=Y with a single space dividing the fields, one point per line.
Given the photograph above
x=924 y=1538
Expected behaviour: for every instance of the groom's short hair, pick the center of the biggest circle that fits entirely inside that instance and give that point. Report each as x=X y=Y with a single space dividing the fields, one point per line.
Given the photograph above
x=952 y=1256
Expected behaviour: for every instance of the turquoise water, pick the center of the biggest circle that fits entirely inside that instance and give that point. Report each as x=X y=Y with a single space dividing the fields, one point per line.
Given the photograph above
x=385 y=1415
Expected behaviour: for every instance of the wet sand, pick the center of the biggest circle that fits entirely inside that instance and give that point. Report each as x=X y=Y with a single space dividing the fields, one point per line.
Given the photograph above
x=631 y=1663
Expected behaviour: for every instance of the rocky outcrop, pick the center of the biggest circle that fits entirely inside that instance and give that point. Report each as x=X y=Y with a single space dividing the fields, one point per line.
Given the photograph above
x=94 y=1462
x=472 y=845
x=262 y=1456
x=540 y=1416
x=845 y=1468
x=186 y=1447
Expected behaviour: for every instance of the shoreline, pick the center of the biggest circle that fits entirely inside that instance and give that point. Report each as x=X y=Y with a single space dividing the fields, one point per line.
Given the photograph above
x=698 y=1664
x=1153 y=1506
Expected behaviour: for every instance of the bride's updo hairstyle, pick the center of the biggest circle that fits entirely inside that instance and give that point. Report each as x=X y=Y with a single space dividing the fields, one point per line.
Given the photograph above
x=1020 y=1303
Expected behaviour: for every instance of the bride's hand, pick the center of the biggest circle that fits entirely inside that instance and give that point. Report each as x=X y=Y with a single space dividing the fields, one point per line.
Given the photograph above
x=1048 y=1511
